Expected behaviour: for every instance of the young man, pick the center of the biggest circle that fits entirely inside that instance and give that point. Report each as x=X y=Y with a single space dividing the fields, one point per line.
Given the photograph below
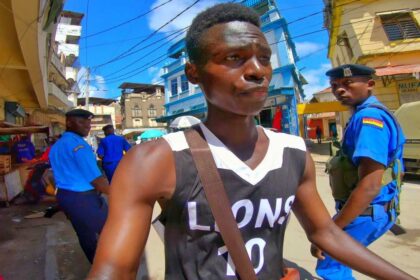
x=79 y=181
x=265 y=174
x=373 y=146
x=111 y=150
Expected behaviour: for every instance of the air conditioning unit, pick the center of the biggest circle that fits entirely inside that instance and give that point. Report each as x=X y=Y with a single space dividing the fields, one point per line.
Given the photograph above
x=15 y=109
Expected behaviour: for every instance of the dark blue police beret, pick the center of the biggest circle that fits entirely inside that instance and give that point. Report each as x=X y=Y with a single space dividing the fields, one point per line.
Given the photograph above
x=350 y=70
x=80 y=113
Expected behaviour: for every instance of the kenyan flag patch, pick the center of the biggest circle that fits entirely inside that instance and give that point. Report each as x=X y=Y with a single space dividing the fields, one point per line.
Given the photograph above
x=374 y=122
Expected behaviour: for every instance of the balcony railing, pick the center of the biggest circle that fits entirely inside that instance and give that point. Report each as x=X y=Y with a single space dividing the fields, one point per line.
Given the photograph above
x=180 y=96
x=55 y=60
x=68 y=30
x=58 y=95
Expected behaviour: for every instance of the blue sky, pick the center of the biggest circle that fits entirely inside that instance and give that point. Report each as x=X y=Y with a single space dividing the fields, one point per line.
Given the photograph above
x=124 y=41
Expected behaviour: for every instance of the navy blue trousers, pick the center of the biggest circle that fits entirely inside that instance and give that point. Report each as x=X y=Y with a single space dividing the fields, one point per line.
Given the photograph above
x=365 y=230
x=109 y=168
x=87 y=212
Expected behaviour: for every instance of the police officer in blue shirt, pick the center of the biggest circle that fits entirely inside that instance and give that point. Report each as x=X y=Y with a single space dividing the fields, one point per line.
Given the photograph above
x=24 y=149
x=111 y=150
x=372 y=144
x=79 y=181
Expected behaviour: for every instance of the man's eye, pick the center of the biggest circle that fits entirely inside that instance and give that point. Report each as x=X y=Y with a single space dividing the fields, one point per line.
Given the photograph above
x=232 y=57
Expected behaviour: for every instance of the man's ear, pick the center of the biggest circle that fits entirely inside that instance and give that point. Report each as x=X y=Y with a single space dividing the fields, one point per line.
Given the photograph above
x=371 y=84
x=191 y=72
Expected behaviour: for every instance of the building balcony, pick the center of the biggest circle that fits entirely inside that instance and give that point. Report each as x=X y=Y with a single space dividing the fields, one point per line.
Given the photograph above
x=69 y=49
x=55 y=60
x=64 y=30
x=58 y=97
x=174 y=65
x=179 y=96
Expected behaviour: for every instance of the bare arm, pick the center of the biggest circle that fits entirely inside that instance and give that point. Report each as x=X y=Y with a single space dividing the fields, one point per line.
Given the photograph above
x=137 y=184
x=101 y=184
x=370 y=174
x=324 y=233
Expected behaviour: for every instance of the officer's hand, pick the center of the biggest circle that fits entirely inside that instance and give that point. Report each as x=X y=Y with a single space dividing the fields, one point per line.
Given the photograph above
x=316 y=252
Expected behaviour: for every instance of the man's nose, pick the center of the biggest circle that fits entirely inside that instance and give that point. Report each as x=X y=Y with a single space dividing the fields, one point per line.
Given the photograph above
x=254 y=70
x=340 y=90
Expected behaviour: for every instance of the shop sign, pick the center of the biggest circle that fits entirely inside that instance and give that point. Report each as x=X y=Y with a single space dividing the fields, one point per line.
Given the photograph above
x=409 y=91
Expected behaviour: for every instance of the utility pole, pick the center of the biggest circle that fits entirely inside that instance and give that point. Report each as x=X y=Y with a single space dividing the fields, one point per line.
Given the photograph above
x=87 y=90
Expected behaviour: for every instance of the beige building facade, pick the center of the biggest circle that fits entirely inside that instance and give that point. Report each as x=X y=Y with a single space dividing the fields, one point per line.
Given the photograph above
x=141 y=104
x=383 y=34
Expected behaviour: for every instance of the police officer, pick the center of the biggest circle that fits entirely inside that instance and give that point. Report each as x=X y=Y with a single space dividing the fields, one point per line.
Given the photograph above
x=24 y=149
x=79 y=181
x=372 y=152
x=111 y=150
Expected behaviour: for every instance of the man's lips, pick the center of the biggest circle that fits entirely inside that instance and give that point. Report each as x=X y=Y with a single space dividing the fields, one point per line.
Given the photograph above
x=259 y=91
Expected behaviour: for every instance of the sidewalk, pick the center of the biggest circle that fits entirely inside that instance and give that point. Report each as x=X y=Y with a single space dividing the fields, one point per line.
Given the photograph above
x=320 y=152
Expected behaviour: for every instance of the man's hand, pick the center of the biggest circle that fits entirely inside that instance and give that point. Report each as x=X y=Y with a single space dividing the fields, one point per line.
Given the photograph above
x=317 y=253
x=101 y=184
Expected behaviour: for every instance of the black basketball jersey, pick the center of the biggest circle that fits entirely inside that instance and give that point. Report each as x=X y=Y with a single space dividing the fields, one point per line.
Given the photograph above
x=261 y=200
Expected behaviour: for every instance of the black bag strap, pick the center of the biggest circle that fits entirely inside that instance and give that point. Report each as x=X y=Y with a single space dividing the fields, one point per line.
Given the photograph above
x=219 y=203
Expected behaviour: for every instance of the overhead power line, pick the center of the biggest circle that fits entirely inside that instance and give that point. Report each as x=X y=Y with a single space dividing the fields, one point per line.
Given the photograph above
x=127 y=52
x=125 y=22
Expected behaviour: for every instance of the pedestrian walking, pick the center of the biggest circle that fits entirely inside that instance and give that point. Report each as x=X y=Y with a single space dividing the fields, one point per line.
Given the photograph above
x=265 y=174
x=79 y=181
x=365 y=176
x=111 y=150
x=318 y=132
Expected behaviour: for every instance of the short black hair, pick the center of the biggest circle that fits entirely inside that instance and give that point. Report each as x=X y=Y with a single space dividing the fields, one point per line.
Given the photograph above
x=106 y=127
x=221 y=13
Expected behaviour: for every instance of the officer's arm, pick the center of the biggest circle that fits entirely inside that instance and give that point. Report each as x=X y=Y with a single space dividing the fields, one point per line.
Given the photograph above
x=136 y=186
x=324 y=233
x=101 y=184
x=127 y=145
x=100 y=152
x=369 y=186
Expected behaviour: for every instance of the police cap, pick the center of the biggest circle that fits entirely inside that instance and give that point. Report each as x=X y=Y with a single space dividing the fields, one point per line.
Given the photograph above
x=80 y=113
x=350 y=70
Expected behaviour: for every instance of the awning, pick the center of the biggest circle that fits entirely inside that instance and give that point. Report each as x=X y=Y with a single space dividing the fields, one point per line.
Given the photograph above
x=24 y=130
x=395 y=70
x=133 y=130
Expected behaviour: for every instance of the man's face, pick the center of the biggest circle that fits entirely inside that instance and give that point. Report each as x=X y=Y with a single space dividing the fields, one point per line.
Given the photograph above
x=352 y=91
x=237 y=70
x=79 y=125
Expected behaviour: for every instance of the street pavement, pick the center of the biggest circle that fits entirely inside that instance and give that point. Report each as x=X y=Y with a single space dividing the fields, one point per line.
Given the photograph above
x=48 y=248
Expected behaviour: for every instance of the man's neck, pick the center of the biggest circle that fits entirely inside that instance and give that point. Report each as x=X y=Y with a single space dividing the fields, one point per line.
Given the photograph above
x=238 y=133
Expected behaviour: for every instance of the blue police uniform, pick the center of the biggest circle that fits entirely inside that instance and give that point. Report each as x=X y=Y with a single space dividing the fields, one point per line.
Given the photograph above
x=371 y=133
x=111 y=150
x=74 y=166
x=24 y=150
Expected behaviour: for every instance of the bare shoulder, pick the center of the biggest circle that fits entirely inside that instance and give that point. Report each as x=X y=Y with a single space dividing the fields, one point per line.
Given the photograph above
x=147 y=171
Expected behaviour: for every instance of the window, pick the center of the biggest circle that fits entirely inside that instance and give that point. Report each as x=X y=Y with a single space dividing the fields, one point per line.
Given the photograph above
x=136 y=111
x=152 y=111
x=137 y=122
x=399 y=26
x=184 y=83
x=174 y=87
x=152 y=123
